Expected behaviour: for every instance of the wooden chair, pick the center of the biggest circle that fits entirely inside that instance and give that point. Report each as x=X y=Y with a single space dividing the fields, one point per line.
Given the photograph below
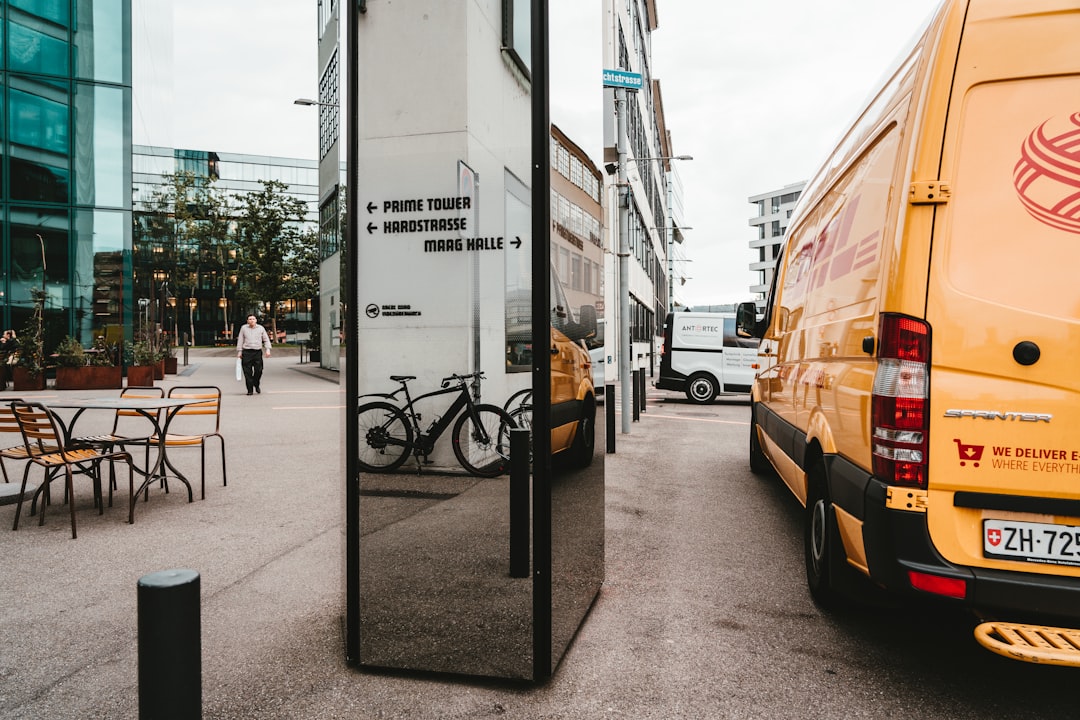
x=130 y=427
x=194 y=424
x=11 y=493
x=10 y=426
x=41 y=432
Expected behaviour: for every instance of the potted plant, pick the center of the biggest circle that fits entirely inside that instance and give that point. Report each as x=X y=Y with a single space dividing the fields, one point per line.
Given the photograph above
x=141 y=374
x=169 y=353
x=29 y=372
x=78 y=370
x=159 y=362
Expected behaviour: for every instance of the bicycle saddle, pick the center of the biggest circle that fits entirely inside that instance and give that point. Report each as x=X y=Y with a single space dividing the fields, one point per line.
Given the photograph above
x=402 y=378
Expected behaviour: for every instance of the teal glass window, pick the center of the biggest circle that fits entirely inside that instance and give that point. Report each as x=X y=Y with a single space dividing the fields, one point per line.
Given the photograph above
x=39 y=146
x=102 y=147
x=103 y=45
x=57 y=11
x=36 y=50
x=98 y=273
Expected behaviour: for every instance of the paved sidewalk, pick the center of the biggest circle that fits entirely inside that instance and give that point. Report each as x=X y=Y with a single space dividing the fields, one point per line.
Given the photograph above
x=268 y=548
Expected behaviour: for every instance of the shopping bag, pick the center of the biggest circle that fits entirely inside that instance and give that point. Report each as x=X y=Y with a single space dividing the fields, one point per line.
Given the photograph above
x=239 y=370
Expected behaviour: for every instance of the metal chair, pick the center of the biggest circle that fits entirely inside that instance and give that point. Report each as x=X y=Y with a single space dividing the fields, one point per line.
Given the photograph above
x=41 y=433
x=124 y=423
x=192 y=425
x=11 y=493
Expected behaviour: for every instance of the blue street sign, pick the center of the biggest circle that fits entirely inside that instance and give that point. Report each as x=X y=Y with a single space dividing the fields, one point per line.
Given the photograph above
x=623 y=79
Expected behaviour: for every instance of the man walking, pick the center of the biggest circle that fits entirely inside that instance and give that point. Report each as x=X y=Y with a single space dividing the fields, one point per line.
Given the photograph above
x=249 y=344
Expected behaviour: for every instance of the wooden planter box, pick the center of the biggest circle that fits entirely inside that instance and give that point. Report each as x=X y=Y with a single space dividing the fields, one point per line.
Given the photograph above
x=22 y=380
x=88 y=378
x=171 y=366
x=140 y=376
x=159 y=370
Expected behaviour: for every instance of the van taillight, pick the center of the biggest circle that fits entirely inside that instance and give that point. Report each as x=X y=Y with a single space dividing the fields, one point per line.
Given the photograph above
x=899 y=407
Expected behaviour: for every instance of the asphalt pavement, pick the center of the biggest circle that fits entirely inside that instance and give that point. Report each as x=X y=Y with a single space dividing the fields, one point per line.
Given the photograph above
x=268 y=548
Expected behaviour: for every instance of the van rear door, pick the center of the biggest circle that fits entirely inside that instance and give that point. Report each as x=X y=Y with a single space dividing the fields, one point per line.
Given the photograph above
x=1004 y=297
x=740 y=359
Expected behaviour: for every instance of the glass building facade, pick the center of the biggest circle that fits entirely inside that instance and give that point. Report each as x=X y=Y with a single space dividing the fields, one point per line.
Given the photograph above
x=65 y=165
x=202 y=305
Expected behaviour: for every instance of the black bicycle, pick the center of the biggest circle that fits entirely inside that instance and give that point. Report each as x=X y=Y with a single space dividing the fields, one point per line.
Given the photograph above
x=389 y=433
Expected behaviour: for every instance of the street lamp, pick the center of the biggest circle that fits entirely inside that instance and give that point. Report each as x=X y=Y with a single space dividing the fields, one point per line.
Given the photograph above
x=309 y=102
x=666 y=157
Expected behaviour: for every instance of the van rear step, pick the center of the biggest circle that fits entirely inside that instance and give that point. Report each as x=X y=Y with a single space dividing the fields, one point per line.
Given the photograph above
x=1031 y=643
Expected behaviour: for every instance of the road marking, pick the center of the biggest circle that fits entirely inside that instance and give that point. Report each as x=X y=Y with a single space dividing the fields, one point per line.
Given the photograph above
x=696 y=419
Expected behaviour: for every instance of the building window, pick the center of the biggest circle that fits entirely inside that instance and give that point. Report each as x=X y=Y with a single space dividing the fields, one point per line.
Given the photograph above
x=328 y=227
x=517 y=33
x=328 y=106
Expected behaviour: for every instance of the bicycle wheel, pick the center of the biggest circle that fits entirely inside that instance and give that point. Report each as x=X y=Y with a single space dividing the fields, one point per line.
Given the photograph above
x=483 y=446
x=521 y=397
x=385 y=437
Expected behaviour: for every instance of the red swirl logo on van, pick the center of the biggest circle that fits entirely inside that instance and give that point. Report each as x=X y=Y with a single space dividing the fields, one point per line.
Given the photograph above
x=1047 y=177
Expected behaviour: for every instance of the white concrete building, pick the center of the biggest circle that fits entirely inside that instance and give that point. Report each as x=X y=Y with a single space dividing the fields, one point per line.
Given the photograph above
x=774 y=212
x=628 y=26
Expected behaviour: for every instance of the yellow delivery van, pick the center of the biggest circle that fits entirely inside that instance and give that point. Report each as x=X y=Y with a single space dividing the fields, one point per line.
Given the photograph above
x=922 y=398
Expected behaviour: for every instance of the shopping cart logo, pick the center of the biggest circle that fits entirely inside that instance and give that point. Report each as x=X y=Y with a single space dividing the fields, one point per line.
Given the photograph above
x=969 y=453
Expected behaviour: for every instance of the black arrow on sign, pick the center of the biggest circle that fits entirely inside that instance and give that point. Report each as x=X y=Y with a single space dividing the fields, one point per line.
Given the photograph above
x=372 y=207
x=371 y=227
x=516 y=242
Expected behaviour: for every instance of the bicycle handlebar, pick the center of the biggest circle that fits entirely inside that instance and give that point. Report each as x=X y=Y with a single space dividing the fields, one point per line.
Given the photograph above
x=479 y=375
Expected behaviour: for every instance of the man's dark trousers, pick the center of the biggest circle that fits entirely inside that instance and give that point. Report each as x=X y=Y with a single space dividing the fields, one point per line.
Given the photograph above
x=252 y=363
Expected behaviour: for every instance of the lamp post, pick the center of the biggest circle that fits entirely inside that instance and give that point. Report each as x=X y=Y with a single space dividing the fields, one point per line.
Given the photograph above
x=623 y=186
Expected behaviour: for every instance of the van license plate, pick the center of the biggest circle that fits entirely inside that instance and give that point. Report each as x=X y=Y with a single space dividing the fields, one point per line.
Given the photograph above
x=1032 y=542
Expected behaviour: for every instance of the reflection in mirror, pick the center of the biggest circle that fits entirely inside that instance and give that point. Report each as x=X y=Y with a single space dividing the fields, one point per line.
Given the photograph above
x=462 y=219
x=444 y=272
x=577 y=319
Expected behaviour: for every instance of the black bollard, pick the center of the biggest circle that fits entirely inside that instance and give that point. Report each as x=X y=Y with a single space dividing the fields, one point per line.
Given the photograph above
x=645 y=386
x=170 y=646
x=519 y=502
x=636 y=385
x=609 y=411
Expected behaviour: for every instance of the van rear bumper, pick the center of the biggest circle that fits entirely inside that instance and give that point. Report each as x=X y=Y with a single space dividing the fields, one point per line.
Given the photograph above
x=675 y=381
x=898 y=542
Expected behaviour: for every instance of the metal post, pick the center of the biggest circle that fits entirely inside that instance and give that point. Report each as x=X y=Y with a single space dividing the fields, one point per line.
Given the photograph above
x=170 y=646
x=643 y=390
x=625 y=343
x=185 y=348
x=609 y=412
x=637 y=397
x=519 y=502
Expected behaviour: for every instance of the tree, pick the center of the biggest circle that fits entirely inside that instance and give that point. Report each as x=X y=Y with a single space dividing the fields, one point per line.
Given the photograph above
x=268 y=241
x=185 y=231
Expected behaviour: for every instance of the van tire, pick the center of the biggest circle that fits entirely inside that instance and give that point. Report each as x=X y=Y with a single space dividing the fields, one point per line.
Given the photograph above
x=759 y=464
x=701 y=388
x=820 y=539
x=582 y=448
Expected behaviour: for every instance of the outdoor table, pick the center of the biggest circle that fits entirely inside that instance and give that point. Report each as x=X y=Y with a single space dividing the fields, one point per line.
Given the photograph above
x=150 y=408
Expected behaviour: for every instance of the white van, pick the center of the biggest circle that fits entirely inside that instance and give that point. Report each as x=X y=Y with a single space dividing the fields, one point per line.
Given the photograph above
x=703 y=356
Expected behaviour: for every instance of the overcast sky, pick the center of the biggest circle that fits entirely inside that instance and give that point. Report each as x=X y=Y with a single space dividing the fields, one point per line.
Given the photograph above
x=757 y=92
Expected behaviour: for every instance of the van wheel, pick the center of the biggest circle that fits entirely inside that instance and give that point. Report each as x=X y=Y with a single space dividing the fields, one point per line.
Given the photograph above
x=820 y=540
x=759 y=464
x=581 y=450
x=701 y=389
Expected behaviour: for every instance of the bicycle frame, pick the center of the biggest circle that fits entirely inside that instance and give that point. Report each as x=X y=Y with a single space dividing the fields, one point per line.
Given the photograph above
x=424 y=442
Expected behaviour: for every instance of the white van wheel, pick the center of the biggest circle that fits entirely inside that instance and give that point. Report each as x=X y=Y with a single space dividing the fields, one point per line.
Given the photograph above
x=701 y=389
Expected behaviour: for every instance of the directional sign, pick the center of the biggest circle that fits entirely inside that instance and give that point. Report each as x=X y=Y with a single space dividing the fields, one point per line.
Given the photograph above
x=623 y=79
